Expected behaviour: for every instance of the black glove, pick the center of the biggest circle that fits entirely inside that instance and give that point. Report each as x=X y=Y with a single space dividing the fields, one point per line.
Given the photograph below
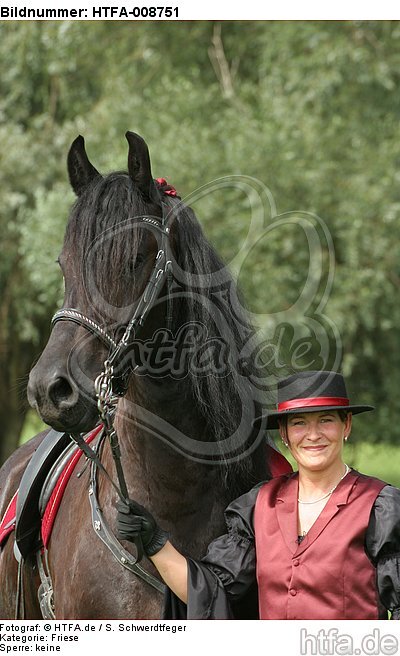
x=135 y=521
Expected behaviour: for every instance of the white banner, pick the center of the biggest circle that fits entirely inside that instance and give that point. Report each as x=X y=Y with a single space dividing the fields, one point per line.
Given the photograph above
x=199 y=638
x=134 y=10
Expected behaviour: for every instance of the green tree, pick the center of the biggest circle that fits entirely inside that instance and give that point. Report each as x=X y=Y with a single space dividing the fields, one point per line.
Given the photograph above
x=309 y=109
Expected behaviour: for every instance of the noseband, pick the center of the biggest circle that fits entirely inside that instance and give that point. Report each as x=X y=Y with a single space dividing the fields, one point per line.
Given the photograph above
x=69 y=314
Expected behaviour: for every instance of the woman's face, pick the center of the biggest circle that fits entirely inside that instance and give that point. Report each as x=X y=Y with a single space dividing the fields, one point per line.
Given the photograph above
x=315 y=439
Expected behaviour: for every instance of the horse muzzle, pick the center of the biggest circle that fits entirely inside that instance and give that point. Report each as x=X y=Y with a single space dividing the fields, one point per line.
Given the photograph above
x=60 y=401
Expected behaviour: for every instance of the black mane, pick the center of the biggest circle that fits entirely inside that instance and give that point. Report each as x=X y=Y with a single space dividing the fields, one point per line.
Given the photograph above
x=201 y=291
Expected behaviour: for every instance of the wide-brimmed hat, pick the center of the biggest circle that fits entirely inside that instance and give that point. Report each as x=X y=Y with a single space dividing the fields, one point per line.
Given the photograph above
x=311 y=391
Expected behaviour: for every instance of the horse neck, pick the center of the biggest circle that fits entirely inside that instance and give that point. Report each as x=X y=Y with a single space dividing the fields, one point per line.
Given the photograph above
x=155 y=470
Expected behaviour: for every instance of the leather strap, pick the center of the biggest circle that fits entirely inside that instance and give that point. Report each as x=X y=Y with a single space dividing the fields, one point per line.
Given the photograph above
x=105 y=534
x=20 y=599
x=71 y=314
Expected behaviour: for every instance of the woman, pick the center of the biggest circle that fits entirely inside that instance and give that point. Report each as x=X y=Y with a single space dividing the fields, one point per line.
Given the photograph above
x=327 y=538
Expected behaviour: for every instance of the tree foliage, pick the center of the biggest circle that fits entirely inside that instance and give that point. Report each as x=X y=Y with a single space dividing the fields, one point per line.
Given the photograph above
x=309 y=111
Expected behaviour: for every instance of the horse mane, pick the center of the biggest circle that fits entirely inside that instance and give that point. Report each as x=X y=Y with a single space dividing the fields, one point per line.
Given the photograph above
x=209 y=296
x=203 y=293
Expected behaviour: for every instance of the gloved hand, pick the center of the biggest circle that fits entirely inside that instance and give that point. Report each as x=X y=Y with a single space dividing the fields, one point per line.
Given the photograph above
x=135 y=521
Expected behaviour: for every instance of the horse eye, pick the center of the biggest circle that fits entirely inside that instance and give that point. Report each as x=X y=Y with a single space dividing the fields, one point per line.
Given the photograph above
x=133 y=266
x=139 y=261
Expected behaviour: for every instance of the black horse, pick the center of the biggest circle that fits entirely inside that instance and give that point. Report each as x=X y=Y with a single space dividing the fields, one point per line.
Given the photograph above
x=185 y=423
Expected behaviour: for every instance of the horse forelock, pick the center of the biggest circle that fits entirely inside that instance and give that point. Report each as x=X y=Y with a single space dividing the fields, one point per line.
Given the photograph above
x=102 y=241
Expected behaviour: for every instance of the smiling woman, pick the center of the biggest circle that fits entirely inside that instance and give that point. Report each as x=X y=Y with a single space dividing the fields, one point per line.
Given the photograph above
x=315 y=440
x=321 y=543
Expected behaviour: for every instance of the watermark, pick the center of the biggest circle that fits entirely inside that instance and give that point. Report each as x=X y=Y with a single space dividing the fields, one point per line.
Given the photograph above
x=188 y=351
x=327 y=642
x=198 y=331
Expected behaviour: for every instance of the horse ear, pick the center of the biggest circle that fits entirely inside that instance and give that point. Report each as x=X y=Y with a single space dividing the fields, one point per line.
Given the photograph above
x=81 y=172
x=139 y=166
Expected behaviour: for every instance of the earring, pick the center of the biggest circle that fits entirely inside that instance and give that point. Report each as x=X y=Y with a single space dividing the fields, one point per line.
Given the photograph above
x=345 y=438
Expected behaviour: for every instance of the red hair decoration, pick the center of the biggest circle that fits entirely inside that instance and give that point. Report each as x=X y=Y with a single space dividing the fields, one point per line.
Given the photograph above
x=167 y=188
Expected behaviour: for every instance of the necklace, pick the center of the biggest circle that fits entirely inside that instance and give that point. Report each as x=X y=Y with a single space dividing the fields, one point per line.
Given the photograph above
x=346 y=471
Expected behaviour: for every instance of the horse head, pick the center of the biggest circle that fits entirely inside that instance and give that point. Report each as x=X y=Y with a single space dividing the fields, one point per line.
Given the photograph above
x=124 y=230
x=106 y=260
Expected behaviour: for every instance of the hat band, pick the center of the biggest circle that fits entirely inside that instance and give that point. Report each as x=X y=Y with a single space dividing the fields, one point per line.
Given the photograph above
x=316 y=401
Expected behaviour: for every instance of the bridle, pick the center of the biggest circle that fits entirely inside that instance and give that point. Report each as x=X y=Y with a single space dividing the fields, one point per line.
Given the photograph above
x=118 y=350
x=114 y=379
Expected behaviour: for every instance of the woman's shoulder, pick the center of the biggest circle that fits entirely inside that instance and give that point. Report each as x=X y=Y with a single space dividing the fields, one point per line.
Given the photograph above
x=278 y=482
x=383 y=535
x=249 y=499
x=383 y=487
x=389 y=497
x=273 y=488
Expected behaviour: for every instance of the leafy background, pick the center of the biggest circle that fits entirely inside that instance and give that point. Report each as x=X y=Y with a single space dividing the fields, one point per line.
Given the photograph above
x=309 y=109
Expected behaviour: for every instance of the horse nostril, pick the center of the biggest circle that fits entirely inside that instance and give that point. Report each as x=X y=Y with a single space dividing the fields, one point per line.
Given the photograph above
x=60 y=390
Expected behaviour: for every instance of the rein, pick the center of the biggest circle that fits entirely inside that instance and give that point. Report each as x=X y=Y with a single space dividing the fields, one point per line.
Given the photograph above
x=114 y=379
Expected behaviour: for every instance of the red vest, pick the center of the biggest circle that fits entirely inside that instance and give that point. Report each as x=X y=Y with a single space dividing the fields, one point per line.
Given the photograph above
x=328 y=576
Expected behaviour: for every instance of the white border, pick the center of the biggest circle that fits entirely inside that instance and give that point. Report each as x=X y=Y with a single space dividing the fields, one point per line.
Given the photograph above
x=217 y=9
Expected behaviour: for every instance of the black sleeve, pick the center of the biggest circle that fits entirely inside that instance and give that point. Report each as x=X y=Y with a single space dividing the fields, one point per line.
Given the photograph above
x=218 y=582
x=383 y=547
